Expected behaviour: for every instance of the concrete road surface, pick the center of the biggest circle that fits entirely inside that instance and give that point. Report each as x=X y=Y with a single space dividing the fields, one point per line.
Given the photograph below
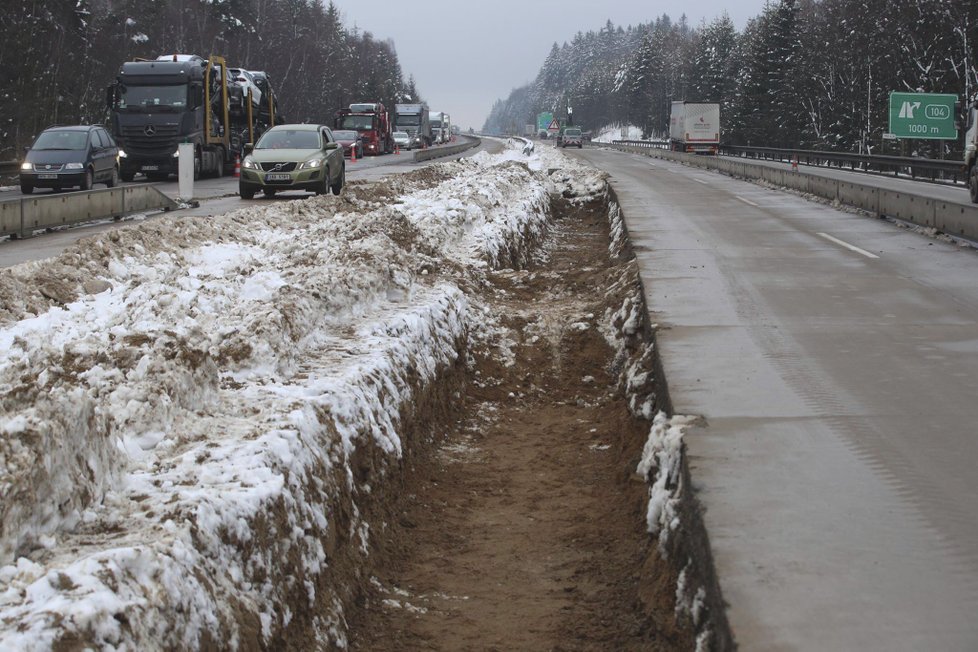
x=835 y=358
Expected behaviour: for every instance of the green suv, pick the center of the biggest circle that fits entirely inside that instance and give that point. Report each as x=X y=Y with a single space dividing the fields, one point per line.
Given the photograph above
x=293 y=157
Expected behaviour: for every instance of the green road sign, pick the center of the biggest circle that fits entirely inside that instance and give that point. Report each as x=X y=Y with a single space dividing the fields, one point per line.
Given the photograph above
x=923 y=115
x=544 y=120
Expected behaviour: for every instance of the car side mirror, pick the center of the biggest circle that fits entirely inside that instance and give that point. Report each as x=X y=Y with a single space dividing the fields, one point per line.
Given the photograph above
x=249 y=148
x=27 y=148
x=332 y=145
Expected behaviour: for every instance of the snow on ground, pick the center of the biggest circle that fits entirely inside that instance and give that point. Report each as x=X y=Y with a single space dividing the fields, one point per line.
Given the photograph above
x=618 y=132
x=190 y=405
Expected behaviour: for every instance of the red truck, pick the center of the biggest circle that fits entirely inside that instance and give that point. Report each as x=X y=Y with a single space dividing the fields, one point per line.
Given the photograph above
x=374 y=124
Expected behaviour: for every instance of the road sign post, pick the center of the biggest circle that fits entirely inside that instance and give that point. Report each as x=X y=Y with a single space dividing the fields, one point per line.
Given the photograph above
x=923 y=115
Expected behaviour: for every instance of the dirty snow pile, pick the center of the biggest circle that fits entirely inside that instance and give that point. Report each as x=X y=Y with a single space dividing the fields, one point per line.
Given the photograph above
x=195 y=411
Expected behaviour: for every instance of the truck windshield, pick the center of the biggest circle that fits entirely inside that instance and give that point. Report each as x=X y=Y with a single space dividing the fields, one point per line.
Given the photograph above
x=358 y=122
x=408 y=120
x=151 y=97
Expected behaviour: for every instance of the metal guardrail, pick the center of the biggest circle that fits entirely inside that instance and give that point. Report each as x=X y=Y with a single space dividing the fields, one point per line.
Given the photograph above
x=935 y=170
x=22 y=216
x=957 y=218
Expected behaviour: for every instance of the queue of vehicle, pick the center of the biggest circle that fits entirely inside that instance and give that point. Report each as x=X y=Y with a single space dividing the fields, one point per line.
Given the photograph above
x=225 y=113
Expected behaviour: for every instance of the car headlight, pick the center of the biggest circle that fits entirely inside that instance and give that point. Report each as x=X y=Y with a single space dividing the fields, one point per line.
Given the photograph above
x=312 y=163
x=74 y=166
x=122 y=153
x=175 y=154
x=26 y=166
x=249 y=163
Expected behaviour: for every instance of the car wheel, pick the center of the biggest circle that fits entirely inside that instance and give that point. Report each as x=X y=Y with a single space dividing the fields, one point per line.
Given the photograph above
x=973 y=183
x=337 y=187
x=26 y=189
x=86 y=183
x=246 y=192
x=269 y=192
x=113 y=179
x=198 y=165
x=324 y=187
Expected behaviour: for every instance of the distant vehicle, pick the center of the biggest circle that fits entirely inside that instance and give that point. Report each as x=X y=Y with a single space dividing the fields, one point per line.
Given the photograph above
x=293 y=157
x=403 y=140
x=572 y=137
x=695 y=128
x=413 y=118
x=65 y=157
x=350 y=140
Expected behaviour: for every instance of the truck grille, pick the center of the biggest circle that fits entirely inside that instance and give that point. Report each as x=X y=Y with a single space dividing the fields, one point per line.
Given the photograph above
x=270 y=167
x=163 y=139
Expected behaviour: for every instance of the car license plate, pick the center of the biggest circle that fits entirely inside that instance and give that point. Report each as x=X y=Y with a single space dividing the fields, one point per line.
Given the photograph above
x=278 y=177
x=47 y=176
x=150 y=168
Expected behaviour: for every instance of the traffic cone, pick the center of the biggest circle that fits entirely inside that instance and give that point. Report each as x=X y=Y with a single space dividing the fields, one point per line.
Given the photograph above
x=397 y=148
x=353 y=154
x=237 y=166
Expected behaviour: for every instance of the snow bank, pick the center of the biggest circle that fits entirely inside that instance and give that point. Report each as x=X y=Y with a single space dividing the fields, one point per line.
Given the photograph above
x=196 y=410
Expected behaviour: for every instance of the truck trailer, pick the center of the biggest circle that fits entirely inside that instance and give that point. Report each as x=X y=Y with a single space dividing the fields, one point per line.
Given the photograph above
x=372 y=121
x=695 y=127
x=156 y=105
x=969 y=122
x=413 y=118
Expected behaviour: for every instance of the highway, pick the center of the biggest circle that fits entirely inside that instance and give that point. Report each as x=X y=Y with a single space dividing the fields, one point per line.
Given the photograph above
x=216 y=196
x=833 y=357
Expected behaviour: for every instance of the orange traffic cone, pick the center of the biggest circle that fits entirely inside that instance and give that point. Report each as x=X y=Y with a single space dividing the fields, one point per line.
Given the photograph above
x=397 y=148
x=353 y=154
x=237 y=165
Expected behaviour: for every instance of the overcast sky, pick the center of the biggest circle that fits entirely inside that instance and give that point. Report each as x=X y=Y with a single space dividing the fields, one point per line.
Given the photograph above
x=466 y=54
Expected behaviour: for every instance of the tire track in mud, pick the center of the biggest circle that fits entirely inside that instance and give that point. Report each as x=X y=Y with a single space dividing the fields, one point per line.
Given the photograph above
x=523 y=527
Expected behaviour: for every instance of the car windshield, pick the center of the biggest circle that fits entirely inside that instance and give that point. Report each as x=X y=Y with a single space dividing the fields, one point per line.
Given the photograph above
x=400 y=134
x=151 y=97
x=289 y=139
x=62 y=140
x=345 y=135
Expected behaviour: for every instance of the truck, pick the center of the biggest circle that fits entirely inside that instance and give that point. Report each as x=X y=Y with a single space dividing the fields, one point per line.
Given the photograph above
x=413 y=118
x=968 y=121
x=694 y=127
x=372 y=121
x=437 y=121
x=157 y=104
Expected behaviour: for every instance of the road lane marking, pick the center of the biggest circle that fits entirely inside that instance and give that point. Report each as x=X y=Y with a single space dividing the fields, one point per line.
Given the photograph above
x=848 y=246
x=705 y=183
x=747 y=201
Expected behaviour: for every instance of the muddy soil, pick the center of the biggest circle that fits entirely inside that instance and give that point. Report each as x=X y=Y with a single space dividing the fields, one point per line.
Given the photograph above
x=523 y=526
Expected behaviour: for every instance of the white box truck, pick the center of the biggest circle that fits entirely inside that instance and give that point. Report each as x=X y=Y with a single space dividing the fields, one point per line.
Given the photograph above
x=695 y=127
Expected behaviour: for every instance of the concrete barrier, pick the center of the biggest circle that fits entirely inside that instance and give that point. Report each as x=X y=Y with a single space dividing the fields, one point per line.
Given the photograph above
x=958 y=219
x=21 y=217
x=437 y=152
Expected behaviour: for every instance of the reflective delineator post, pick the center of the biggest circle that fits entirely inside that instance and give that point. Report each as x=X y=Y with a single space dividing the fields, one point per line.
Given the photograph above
x=237 y=166
x=185 y=171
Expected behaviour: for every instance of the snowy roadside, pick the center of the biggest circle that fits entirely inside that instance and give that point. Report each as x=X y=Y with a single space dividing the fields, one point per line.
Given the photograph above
x=193 y=410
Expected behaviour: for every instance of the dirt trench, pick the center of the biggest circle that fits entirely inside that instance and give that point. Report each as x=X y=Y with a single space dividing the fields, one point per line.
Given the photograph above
x=522 y=527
